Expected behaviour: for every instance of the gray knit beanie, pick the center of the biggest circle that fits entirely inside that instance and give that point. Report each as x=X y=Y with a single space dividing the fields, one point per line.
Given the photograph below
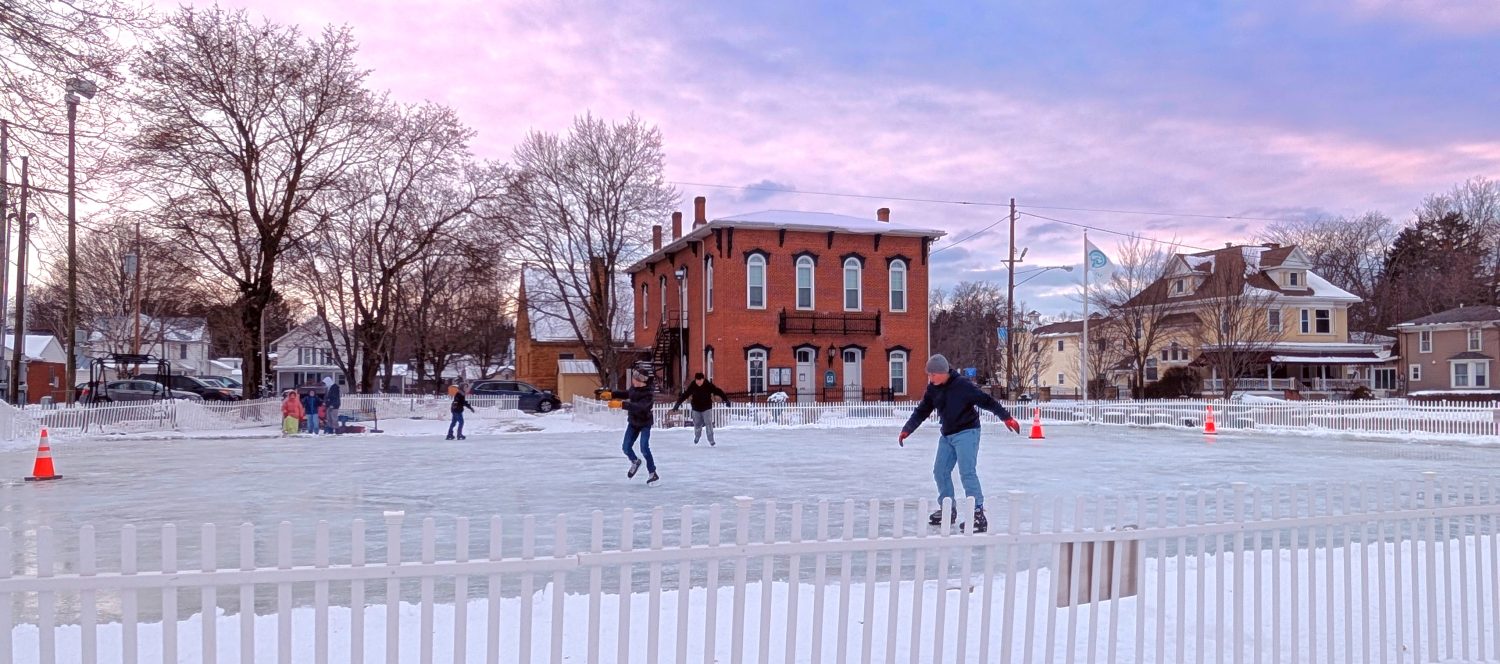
x=937 y=364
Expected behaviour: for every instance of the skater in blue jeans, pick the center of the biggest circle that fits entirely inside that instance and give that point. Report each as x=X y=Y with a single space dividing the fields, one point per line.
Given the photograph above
x=637 y=405
x=460 y=402
x=956 y=401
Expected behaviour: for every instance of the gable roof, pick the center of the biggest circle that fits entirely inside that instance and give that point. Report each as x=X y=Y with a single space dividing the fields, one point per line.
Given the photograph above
x=792 y=220
x=44 y=347
x=1479 y=314
x=549 y=304
x=1231 y=270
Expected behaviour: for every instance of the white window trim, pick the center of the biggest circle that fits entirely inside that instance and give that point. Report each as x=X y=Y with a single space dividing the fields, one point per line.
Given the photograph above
x=645 y=306
x=812 y=283
x=662 y=285
x=1306 y=321
x=708 y=283
x=708 y=363
x=1414 y=373
x=898 y=356
x=1278 y=325
x=898 y=267
x=1476 y=339
x=1474 y=369
x=1424 y=341
x=859 y=285
x=750 y=370
x=1062 y=379
x=1331 y=319
x=760 y=260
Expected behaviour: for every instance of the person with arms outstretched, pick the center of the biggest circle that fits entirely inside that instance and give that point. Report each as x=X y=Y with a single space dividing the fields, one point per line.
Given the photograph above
x=702 y=392
x=956 y=401
x=637 y=404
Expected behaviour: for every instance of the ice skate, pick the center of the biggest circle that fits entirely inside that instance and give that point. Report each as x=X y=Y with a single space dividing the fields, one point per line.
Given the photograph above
x=980 y=523
x=653 y=479
x=634 y=466
x=450 y=436
x=936 y=518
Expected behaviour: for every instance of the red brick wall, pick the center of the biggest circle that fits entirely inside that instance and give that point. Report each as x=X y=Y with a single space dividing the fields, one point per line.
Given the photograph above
x=731 y=326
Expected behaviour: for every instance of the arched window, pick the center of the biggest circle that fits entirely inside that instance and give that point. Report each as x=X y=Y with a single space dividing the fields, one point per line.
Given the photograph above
x=898 y=372
x=662 y=285
x=755 y=282
x=708 y=363
x=756 y=370
x=645 y=306
x=898 y=285
x=852 y=290
x=805 y=266
x=708 y=283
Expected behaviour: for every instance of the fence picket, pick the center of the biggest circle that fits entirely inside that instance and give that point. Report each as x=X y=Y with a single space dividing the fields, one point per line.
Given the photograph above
x=710 y=616
x=426 y=587
x=684 y=582
x=596 y=586
x=7 y=602
x=357 y=593
x=846 y=565
x=527 y=624
x=460 y=590
x=46 y=626
x=741 y=565
x=898 y=530
x=793 y=574
x=208 y=540
x=767 y=576
x=492 y=612
x=653 y=607
x=169 y=595
x=320 y=596
x=820 y=571
x=284 y=594
x=919 y=574
x=393 y=521
x=867 y=639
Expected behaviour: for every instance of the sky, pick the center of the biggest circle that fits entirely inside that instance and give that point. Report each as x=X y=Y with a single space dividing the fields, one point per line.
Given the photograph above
x=1239 y=112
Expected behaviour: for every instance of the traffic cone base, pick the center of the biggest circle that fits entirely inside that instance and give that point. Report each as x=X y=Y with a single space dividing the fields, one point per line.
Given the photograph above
x=43 y=470
x=1208 y=424
x=1036 y=425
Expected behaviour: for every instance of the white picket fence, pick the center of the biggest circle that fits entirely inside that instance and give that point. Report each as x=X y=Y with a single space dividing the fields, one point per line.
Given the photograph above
x=1336 y=573
x=1372 y=417
x=191 y=416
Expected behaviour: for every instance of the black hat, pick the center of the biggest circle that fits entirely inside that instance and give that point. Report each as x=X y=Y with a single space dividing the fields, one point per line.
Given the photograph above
x=698 y=376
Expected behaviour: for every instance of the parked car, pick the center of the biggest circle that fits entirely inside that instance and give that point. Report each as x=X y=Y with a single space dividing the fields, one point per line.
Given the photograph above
x=136 y=389
x=531 y=398
x=208 y=391
x=222 y=381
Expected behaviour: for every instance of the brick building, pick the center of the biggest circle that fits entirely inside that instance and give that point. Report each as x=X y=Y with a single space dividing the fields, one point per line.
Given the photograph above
x=823 y=307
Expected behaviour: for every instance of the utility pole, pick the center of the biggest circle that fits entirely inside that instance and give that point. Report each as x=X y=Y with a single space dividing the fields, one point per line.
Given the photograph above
x=1010 y=308
x=75 y=88
x=135 y=348
x=14 y=386
x=4 y=220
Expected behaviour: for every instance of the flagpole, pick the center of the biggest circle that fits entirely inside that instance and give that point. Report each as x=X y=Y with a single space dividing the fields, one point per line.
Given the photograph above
x=1083 y=345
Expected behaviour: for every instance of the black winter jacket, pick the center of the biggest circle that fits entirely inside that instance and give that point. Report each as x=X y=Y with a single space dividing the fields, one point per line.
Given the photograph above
x=637 y=405
x=956 y=402
x=460 y=402
x=702 y=396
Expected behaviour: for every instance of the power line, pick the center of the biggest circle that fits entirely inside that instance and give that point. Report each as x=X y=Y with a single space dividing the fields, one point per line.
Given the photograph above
x=1114 y=232
x=1160 y=214
x=971 y=236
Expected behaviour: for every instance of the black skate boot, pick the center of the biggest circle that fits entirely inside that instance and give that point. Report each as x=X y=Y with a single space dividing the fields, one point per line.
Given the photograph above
x=450 y=436
x=653 y=479
x=462 y=437
x=634 y=466
x=980 y=523
x=936 y=519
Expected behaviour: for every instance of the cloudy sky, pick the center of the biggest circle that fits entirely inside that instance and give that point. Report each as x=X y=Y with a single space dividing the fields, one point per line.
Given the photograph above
x=1241 y=112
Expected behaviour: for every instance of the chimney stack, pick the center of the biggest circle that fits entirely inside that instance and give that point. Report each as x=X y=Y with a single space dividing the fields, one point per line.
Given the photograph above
x=700 y=211
x=676 y=225
x=656 y=237
x=883 y=214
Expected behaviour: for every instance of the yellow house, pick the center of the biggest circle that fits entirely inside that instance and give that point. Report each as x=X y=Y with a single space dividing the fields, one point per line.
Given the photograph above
x=1286 y=327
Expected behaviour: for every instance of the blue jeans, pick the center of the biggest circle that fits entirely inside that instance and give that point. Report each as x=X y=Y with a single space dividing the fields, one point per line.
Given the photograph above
x=644 y=433
x=457 y=421
x=312 y=423
x=961 y=449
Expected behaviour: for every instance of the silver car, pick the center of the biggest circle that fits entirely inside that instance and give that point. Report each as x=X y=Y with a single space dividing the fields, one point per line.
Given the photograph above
x=139 y=390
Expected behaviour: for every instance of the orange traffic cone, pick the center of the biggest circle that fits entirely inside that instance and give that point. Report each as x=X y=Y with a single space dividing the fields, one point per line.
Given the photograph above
x=43 y=469
x=1208 y=424
x=1036 y=424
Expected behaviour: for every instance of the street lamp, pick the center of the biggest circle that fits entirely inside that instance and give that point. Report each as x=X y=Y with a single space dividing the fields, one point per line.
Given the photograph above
x=1010 y=317
x=76 y=87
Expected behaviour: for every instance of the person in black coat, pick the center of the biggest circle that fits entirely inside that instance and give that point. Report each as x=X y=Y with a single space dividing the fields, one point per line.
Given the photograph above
x=460 y=402
x=956 y=401
x=702 y=392
x=638 y=419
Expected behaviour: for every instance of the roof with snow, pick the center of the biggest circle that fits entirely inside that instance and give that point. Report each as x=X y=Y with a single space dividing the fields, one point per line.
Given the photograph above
x=173 y=330
x=44 y=347
x=1479 y=314
x=791 y=220
x=552 y=308
x=1234 y=270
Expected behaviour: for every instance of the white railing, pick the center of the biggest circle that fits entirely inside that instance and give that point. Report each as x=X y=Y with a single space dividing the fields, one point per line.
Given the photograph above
x=1387 y=417
x=1212 y=385
x=1350 y=572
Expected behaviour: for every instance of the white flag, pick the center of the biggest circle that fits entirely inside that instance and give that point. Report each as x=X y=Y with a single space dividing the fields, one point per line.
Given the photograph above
x=1099 y=263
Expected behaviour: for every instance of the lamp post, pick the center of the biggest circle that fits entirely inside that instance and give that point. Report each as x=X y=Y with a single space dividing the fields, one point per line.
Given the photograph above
x=13 y=386
x=75 y=88
x=1010 y=316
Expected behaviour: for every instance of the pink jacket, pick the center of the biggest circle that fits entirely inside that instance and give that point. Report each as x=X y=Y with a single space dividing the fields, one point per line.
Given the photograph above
x=292 y=407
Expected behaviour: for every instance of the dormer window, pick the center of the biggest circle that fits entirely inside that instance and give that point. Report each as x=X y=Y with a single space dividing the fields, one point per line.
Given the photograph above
x=1294 y=279
x=1179 y=286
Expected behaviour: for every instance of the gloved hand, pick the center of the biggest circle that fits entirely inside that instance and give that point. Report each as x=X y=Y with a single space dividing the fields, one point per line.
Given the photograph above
x=902 y=438
x=1013 y=425
x=726 y=404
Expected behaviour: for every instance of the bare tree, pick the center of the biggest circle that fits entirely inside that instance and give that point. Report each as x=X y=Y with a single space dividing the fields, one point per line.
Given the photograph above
x=579 y=210
x=242 y=126
x=1350 y=253
x=965 y=330
x=1232 y=331
x=417 y=189
x=1136 y=299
